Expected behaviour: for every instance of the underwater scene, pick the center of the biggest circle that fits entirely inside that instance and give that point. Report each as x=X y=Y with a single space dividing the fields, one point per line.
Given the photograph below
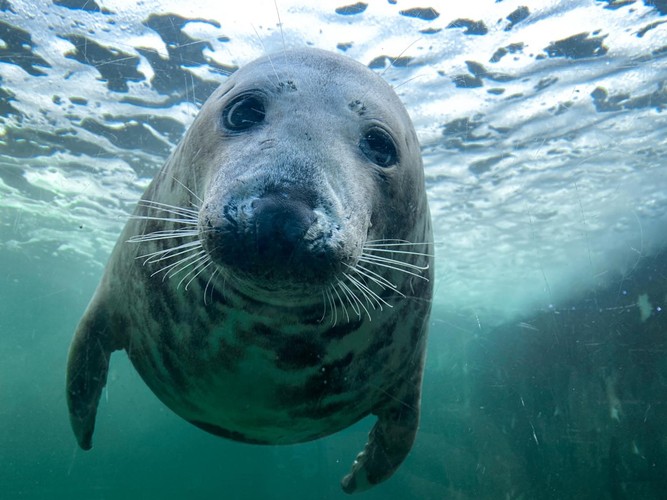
x=292 y=209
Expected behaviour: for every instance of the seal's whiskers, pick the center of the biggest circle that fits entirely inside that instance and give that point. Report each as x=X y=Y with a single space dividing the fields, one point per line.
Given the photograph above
x=190 y=255
x=404 y=252
x=194 y=195
x=167 y=234
x=371 y=297
x=354 y=301
x=347 y=314
x=196 y=271
x=381 y=281
x=357 y=287
x=180 y=265
x=169 y=253
x=208 y=283
x=332 y=304
x=324 y=302
x=394 y=242
x=174 y=209
x=398 y=265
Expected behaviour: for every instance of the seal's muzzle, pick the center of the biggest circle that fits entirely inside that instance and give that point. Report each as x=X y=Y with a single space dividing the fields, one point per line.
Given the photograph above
x=277 y=236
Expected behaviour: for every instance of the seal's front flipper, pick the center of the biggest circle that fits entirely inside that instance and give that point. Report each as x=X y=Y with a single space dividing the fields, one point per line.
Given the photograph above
x=389 y=442
x=87 y=368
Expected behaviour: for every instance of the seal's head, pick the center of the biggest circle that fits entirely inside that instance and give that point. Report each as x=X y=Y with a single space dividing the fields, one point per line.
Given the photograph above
x=315 y=155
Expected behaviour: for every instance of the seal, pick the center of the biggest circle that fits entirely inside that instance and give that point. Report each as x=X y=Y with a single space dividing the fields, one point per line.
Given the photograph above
x=274 y=283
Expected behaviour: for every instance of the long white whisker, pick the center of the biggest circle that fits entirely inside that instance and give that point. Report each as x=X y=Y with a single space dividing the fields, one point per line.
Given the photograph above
x=187 y=244
x=207 y=285
x=187 y=222
x=189 y=255
x=366 y=292
x=377 y=295
x=188 y=190
x=370 y=300
x=351 y=297
x=196 y=263
x=172 y=209
x=344 y=293
x=394 y=243
x=169 y=253
x=381 y=264
x=168 y=256
x=402 y=252
x=324 y=302
x=369 y=294
x=202 y=268
x=163 y=235
x=170 y=267
x=378 y=258
x=357 y=299
x=334 y=308
x=375 y=277
x=341 y=302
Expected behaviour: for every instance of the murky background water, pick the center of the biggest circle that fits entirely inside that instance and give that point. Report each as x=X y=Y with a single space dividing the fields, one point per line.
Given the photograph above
x=544 y=130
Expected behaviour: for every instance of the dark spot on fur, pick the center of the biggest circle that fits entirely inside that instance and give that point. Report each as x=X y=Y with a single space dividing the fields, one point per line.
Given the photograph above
x=198 y=340
x=320 y=412
x=331 y=379
x=385 y=338
x=297 y=353
x=312 y=316
x=219 y=431
x=171 y=362
x=343 y=329
x=216 y=297
x=287 y=86
x=229 y=355
x=259 y=335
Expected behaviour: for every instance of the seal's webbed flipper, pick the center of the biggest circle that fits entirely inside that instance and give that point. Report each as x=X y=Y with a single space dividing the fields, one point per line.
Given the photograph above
x=87 y=368
x=389 y=443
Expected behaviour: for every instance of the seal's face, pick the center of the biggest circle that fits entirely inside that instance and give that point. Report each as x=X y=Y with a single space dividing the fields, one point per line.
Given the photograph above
x=306 y=157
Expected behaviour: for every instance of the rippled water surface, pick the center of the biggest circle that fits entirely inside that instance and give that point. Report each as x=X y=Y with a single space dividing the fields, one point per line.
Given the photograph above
x=544 y=131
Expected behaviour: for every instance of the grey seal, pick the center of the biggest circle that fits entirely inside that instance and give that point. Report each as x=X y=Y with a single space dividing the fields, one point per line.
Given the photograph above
x=274 y=283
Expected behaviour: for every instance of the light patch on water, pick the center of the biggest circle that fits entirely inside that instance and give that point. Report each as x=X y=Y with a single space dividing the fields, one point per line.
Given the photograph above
x=645 y=307
x=544 y=162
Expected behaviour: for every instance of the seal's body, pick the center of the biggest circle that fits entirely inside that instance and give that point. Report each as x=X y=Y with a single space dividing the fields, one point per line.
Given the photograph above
x=274 y=283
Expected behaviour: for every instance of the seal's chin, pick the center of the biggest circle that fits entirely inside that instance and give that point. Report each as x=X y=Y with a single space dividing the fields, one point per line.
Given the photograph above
x=280 y=288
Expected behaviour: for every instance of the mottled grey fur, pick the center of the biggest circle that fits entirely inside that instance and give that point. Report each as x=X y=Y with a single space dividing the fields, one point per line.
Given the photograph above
x=275 y=357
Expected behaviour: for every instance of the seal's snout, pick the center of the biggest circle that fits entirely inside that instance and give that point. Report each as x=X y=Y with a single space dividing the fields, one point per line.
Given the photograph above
x=281 y=235
x=281 y=224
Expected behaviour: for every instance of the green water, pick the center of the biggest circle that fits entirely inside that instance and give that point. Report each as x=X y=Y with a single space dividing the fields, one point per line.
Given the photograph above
x=521 y=411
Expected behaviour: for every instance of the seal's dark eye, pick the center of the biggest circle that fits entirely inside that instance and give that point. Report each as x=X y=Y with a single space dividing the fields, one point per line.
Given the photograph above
x=243 y=112
x=379 y=147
